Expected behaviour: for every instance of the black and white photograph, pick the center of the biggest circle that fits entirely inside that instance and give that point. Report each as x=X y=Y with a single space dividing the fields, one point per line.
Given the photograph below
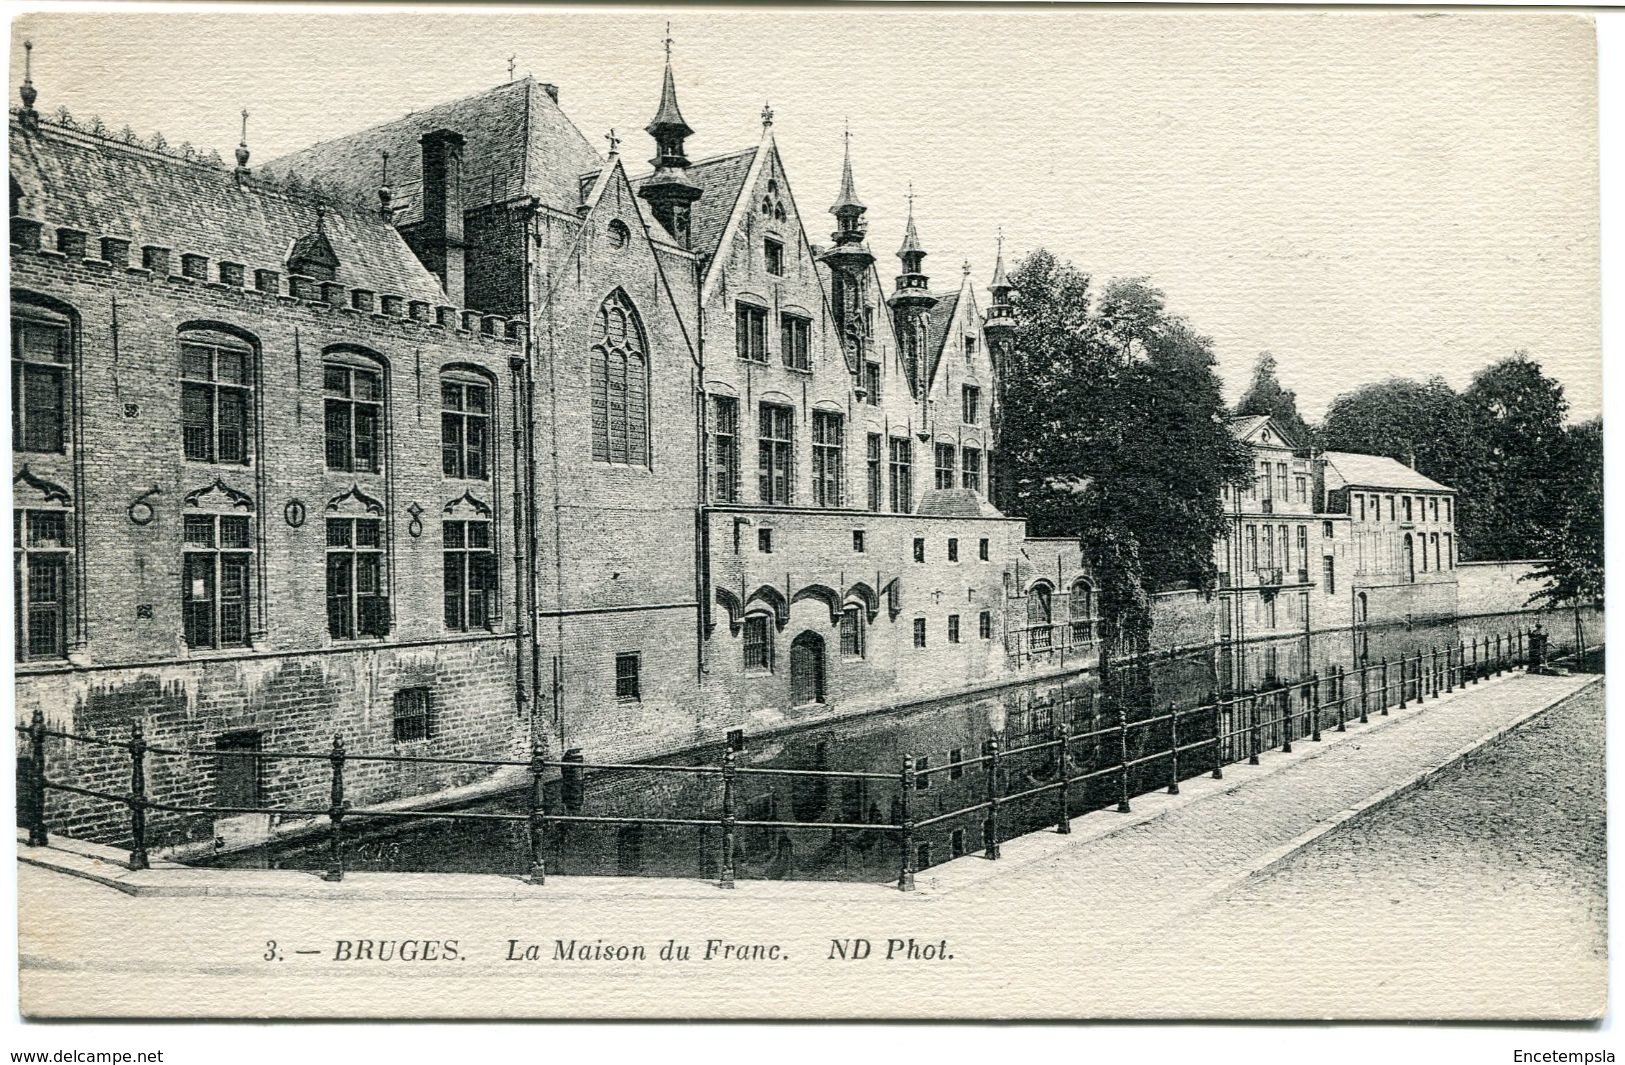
x=818 y=513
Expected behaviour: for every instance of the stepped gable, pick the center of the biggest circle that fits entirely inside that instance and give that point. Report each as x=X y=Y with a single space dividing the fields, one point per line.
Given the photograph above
x=722 y=181
x=517 y=143
x=199 y=208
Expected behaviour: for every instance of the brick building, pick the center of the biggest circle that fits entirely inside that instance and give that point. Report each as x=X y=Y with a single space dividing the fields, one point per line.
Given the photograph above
x=452 y=434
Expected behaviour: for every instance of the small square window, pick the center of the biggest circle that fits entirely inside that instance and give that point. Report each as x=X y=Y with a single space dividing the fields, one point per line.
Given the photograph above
x=627 y=689
x=953 y=549
x=981 y=549
x=414 y=719
x=919 y=632
x=857 y=540
x=953 y=628
x=736 y=740
x=919 y=549
x=764 y=541
x=774 y=253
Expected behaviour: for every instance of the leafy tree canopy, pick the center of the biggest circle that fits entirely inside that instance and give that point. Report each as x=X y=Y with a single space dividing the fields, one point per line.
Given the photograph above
x=1267 y=396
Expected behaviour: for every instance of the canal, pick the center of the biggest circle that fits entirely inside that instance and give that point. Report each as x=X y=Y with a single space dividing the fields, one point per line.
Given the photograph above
x=942 y=740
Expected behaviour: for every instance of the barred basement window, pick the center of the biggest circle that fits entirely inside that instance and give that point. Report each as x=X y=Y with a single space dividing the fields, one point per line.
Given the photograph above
x=620 y=384
x=356 y=603
x=40 y=556
x=216 y=397
x=852 y=632
x=919 y=632
x=725 y=448
x=827 y=457
x=953 y=628
x=775 y=474
x=627 y=689
x=470 y=576
x=982 y=549
x=984 y=625
x=945 y=466
x=39 y=372
x=919 y=549
x=215 y=580
x=953 y=549
x=465 y=429
x=795 y=341
x=758 y=644
x=857 y=541
x=750 y=331
x=354 y=416
x=414 y=715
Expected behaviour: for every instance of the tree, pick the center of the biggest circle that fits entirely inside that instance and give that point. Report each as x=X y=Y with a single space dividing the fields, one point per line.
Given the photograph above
x=1114 y=431
x=1571 y=545
x=1517 y=417
x=1266 y=396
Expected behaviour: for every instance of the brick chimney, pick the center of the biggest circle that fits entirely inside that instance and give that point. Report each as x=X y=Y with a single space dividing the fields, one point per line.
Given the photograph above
x=441 y=241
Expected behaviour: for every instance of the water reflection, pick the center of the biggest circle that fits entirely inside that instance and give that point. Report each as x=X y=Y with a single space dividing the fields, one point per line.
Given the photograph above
x=943 y=742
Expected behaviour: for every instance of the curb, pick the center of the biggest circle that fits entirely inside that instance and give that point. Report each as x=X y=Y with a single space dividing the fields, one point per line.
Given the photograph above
x=1266 y=862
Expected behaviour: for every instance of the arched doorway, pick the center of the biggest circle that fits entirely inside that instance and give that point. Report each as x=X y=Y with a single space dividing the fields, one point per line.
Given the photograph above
x=807 y=669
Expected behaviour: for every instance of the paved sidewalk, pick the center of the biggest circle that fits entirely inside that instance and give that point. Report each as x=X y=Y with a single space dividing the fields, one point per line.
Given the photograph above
x=1100 y=923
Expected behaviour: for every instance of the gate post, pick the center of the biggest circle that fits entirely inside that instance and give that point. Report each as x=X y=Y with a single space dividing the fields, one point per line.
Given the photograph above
x=1314 y=705
x=1063 y=819
x=1218 y=738
x=906 y=781
x=1122 y=750
x=727 y=880
x=1173 y=749
x=335 y=814
x=138 y=796
x=538 y=812
x=37 y=834
x=995 y=760
x=1286 y=720
x=1253 y=735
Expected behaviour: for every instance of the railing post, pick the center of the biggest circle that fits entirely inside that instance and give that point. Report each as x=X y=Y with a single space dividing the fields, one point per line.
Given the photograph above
x=1475 y=659
x=1500 y=658
x=1286 y=720
x=538 y=812
x=1218 y=737
x=1063 y=815
x=1122 y=752
x=906 y=781
x=1365 y=686
x=1433 y=670
x=1173 y=749
x=995 y=759
x=1342 y=699
x=727 y=879
x=335 y=813
x=138 y=796
x=1314 y=705
x=1421 y=678
x=37 y=835
x=1253 y=738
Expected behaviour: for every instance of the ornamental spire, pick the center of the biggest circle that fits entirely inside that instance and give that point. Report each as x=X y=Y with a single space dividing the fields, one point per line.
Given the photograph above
x=242 y=151
x=847 y=198
x=668 y=119
x=29 y=116
x=1000 y=281
x=669 y=190
x=911 y=236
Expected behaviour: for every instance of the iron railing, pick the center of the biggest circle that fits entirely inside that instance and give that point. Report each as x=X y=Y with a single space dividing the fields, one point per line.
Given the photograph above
x=1122 y=753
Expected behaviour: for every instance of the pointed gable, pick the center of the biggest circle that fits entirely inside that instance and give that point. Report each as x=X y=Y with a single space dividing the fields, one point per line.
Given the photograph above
x=1260 y=429
x=517 y=143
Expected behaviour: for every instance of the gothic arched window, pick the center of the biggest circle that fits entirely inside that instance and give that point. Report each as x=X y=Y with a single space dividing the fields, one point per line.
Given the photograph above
x=620 y=384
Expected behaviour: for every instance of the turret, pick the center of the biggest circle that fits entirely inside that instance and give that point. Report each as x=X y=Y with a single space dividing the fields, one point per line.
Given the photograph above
x=670 y=191
x=912 y=299
x=850 y=262
x=1000 y=323
x=999 y=326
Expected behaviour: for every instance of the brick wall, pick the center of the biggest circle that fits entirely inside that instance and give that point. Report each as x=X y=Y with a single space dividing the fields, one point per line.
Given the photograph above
x=1494 y=587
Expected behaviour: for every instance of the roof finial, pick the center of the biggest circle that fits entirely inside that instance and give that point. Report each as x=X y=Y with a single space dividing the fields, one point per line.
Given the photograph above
x=767 y=116
x=1000 y=281
x=385 y=194
x=614 y=142
x=848 y=196
x=668 y=40
x=242 y=150
x=29 y=94
x=965 y=268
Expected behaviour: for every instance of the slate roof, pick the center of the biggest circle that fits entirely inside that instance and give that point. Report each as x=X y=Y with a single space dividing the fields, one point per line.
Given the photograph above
x=937 y=323
x=198 y=208
x=517 y=143
x=956 y=503
x=721 y=180
x=1379 y=471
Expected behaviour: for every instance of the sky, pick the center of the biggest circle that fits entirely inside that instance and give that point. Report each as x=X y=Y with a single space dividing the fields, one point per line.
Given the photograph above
x=1363 y=194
